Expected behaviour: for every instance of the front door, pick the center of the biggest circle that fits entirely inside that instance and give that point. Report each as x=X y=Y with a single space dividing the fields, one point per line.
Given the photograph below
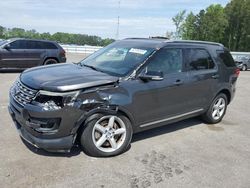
x=22 y=54
x=14 y=56
x=158 y=100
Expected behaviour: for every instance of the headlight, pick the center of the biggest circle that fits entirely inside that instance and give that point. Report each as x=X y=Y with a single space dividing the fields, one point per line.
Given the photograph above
x=55 y=101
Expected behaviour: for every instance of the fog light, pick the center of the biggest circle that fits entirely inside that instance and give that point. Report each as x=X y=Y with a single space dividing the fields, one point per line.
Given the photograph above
x=48 y=125
x=44 y=125
x=33 y=124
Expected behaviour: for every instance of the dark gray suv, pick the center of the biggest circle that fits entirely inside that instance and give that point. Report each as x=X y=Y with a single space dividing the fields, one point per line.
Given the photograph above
x=127 y=87
x=26 y=53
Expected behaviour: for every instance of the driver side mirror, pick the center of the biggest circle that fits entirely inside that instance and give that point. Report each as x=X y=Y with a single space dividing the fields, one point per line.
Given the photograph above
x=152 y=75
x=7 y=47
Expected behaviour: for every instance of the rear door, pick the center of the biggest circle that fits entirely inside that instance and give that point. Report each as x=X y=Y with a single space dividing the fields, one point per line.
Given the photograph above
x=35 y=53
x=203 y=76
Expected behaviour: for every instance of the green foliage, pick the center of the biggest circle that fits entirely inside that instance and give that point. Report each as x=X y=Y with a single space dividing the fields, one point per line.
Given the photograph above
x=229 y=25
x=237 y=32
x=65 y=38
x=189 y=29
x=178 y=19
x=2 y=31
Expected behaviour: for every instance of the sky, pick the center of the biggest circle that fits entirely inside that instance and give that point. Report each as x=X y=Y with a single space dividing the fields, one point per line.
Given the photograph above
x=138 y=18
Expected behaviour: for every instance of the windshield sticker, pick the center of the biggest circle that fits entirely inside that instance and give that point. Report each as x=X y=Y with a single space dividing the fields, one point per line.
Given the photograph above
x=138 y=51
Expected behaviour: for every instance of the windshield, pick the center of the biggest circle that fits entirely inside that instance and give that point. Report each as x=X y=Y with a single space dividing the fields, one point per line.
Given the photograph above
x=118 y=59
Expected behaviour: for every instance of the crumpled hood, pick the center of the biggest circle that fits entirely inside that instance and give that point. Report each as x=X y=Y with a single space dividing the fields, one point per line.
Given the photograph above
x=64 y=77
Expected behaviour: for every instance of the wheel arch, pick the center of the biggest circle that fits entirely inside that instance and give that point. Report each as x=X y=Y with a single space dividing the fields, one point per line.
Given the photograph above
x=227 y=93
x=54 y=58
x=96 y=112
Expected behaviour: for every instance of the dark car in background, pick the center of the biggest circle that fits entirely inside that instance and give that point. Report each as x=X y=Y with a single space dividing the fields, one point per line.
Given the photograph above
x=26 y=53
x=127 y=87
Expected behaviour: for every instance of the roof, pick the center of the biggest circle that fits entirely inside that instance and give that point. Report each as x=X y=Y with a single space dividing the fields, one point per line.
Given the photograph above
x=161 y=41
x=41 y=40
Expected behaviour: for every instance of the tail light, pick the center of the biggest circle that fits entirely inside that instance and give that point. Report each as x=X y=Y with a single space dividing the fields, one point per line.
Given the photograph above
x=62 y=53
x=237 y=72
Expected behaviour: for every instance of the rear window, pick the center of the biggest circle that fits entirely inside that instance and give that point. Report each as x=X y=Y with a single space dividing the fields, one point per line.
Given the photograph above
x=226 y=58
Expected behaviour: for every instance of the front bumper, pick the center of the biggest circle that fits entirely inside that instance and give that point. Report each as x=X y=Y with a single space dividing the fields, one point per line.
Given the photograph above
x=60 y=139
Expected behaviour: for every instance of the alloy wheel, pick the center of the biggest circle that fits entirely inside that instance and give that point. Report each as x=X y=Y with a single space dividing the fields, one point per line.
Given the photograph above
x=218 y=108
x=244 y=68
x=109 y=133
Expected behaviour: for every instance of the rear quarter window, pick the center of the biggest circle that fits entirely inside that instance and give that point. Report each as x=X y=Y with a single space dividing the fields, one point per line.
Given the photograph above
x=49 y=45
x=226 y=58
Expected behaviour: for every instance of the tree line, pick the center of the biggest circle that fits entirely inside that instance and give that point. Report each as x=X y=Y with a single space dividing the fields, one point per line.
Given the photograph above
x=229 y=25
x=65 y=38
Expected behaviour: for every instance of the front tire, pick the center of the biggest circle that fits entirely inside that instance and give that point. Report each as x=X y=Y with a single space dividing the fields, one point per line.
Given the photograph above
x=217 y=110
x=106 y=135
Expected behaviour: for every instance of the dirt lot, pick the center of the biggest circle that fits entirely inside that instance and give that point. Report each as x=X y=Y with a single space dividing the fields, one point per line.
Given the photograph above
x=185 y=154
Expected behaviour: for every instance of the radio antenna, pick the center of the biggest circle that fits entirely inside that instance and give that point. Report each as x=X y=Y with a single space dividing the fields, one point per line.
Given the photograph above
x=118 y=21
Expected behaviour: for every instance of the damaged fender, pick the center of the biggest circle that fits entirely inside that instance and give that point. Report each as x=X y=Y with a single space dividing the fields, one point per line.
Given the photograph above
x=100 y=100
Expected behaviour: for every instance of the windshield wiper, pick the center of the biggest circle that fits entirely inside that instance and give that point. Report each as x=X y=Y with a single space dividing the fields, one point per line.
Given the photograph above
x=92 y=67
x=89 y=66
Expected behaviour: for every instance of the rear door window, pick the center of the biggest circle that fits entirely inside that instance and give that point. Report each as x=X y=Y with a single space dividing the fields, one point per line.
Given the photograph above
x=199 y=59
x=34 y=45
x=39 y=45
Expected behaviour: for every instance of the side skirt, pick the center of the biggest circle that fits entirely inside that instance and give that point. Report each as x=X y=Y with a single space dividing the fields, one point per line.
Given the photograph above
x=171 y=118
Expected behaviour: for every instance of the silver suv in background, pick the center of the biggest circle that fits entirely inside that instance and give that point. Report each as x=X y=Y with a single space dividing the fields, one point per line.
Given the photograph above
x=25 y=53
x=242 y=60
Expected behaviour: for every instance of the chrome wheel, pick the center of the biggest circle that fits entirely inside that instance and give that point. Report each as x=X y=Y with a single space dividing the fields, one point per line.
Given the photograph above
x=218 y=108
x=109 y=133
x=244 y=68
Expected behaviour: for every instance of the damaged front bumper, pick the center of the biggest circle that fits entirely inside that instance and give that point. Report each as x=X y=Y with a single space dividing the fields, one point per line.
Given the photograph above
x=51 y=131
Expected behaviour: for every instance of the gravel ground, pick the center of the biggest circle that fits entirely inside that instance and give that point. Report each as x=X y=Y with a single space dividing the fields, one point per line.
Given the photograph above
x=184 y=154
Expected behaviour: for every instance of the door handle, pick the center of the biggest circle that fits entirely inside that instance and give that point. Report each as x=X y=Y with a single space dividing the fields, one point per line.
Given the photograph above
x=215 y=76
x=178 y=82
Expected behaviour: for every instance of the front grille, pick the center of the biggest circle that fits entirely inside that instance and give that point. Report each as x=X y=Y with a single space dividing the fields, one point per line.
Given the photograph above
x=22 y=94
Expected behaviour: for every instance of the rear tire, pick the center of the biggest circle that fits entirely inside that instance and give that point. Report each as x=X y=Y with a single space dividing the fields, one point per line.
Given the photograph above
x=106 y=135
x=50 y=62
x=217 y=110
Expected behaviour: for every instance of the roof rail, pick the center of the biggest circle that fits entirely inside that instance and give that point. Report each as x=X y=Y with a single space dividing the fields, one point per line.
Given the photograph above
x=197 y=41
x=166 y=40
x=159 y=37
x=135 y=38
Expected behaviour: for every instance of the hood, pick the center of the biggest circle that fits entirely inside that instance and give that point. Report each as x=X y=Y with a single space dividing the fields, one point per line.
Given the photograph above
x=64 y=77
